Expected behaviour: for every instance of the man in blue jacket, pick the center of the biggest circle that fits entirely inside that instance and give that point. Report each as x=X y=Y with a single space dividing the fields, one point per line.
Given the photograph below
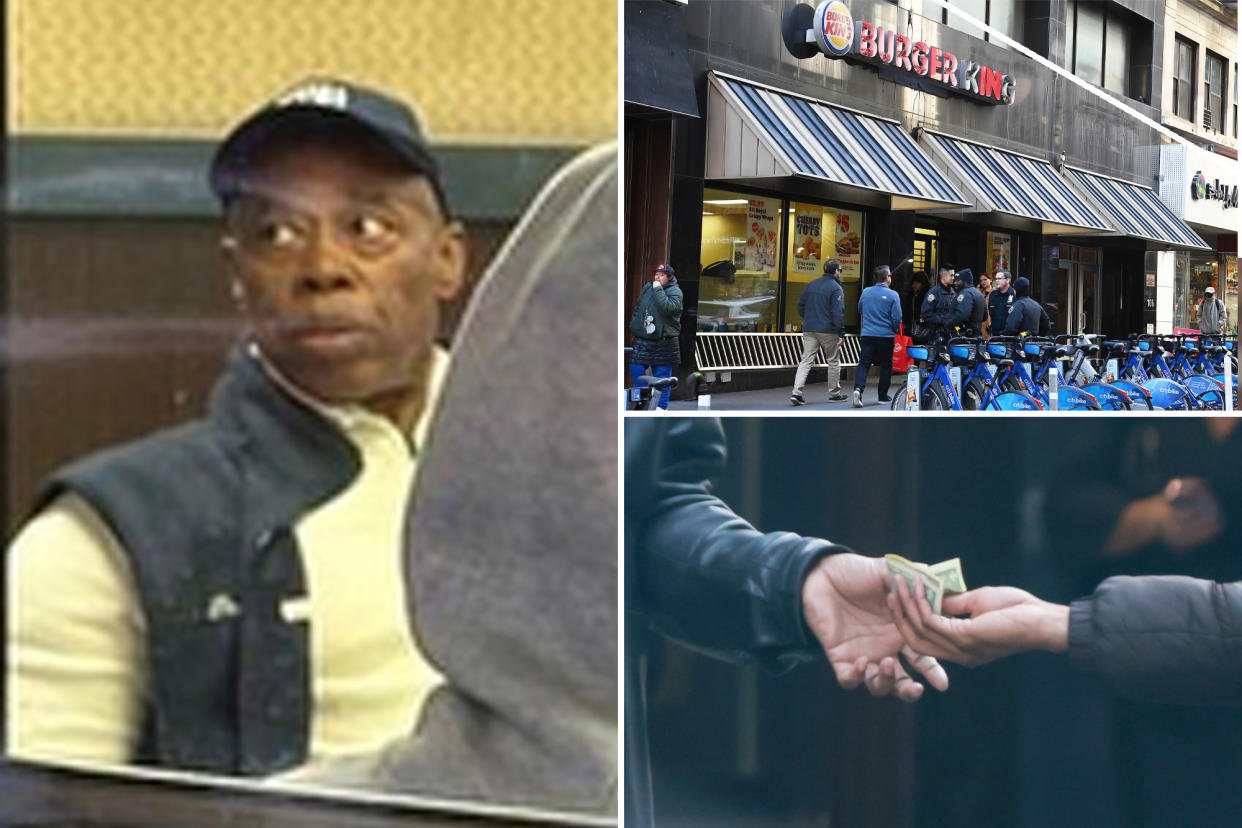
x=880 y=309
x=822 y=307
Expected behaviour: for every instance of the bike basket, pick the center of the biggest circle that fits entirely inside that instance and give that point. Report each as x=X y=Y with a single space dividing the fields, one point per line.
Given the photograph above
x=960 y=351
x=998 y=349
x=1031 y=348
x=916 y=351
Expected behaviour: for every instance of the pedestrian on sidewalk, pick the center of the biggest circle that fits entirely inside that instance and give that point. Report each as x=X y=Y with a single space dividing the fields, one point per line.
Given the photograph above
x=1212 y=312
x=880 y=309
x=656 y=325
x=822 y=307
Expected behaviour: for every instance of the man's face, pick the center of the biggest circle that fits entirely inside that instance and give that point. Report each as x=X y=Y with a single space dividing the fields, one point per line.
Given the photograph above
x=661 y=277
x=1002 y=282
x=343 y=259
x=946 y=278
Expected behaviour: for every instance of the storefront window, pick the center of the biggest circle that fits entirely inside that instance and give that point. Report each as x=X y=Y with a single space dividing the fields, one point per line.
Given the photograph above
x=1193 y=273
x=739 y=260
x=1000 y=252
x=1231 y=290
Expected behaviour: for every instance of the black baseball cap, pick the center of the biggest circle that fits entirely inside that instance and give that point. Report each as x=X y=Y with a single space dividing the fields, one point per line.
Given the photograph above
x=666 y=268
x=317 y=105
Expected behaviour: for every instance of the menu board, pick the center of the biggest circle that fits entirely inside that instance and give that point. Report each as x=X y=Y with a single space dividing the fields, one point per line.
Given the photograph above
x=762 y=232
x=846 y=241
x=1000 y=252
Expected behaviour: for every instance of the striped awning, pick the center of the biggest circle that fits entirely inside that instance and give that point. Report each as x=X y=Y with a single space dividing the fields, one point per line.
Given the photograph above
x=755 y=131
x=1136 y=211
x=1005 y=182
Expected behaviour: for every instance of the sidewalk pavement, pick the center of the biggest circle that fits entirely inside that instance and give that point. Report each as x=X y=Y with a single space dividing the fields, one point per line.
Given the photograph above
x=815 y=394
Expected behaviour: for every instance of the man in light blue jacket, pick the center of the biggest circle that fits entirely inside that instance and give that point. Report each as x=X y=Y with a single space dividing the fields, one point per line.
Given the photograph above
x=880 y=309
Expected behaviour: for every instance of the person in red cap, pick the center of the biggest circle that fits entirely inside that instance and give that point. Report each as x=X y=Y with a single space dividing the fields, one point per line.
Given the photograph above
x=656 y=326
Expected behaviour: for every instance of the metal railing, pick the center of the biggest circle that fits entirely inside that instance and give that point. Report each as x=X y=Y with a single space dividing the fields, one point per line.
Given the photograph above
x=762 y=351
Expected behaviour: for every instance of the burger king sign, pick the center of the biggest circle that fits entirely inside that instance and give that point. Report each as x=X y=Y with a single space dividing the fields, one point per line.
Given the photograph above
x=834 y=32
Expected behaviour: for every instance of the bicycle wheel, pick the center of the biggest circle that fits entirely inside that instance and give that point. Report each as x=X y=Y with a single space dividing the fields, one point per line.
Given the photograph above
x=935 y=399
x=973 y=394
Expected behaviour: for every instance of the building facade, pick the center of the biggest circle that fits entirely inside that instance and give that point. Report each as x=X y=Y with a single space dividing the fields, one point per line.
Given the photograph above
x=929 y=142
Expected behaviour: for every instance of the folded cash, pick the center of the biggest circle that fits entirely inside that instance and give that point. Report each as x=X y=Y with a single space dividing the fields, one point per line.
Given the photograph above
x=899 y=567
x=940 y=579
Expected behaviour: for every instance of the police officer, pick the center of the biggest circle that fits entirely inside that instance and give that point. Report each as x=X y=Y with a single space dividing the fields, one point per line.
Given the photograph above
x=972 y=300
x=941 y=311
x=1000 y=302
x=1025 y=315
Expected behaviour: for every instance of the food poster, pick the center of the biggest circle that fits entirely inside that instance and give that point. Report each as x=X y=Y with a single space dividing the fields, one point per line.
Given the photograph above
x=1000 y=252
x=846 y=241
x=805 y=241
x=762 y=233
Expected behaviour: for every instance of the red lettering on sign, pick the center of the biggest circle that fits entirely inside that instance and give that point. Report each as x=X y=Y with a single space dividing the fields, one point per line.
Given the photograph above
x=866 y=39
x=919 y=58
x=933 y=64
x=992 y=84
x=886 y=46
x=949 y=73
x=837 y=24
x=901 y=53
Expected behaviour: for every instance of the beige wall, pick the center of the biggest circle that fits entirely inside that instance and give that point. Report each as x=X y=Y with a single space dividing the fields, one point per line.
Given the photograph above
x=1214 y=31
x=526 y=70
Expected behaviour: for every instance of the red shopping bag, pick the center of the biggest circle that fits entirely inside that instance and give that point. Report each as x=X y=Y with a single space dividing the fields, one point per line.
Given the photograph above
x=901 y=359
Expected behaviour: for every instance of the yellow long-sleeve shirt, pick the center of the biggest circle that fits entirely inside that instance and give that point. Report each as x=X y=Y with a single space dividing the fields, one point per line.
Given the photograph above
x=77 y=638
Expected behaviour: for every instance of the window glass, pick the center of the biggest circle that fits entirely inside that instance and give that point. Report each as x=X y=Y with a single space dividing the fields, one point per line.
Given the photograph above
x=1184 y=80
x=1089 y=44
x=976 y=9
x=1071 y=29
x=1213 y=90
x=1002 y=18
x=739 y=257
x=1117 y=56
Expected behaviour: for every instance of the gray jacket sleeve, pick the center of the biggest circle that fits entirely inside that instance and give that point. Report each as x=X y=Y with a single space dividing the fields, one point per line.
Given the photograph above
x=1164 y=638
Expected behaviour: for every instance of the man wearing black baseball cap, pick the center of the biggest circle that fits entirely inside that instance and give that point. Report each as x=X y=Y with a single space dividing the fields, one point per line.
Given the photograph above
x=227 y=596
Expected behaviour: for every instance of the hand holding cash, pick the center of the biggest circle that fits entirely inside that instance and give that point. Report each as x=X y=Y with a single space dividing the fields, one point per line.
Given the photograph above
x=939 y=580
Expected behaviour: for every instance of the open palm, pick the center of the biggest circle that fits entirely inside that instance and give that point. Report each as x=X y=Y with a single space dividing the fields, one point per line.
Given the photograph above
x=845 y=604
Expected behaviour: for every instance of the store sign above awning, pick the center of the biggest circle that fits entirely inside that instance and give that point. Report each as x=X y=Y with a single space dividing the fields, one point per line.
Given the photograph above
x=831 y=29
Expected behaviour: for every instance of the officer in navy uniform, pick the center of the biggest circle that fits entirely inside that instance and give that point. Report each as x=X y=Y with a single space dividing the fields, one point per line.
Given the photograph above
x=940 y=308
x=972 y=300
x=1000 y=302
x=1025 y=314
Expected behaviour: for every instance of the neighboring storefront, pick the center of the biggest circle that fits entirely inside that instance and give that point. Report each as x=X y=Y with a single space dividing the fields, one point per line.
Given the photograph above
x=887 y=137
x=1201 y=188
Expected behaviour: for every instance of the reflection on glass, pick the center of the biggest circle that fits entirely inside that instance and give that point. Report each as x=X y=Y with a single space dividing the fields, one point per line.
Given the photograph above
x=1089 y=43
x=739 y=258
x=977 y=9
x=1117 y=50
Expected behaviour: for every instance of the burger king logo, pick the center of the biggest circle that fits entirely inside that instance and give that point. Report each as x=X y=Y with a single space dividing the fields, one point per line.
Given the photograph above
x=834 y=27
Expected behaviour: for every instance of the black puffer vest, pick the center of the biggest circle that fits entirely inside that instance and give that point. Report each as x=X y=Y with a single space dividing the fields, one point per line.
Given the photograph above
x=206 y=514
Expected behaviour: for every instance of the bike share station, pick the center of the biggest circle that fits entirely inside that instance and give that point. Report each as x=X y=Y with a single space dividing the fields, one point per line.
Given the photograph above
x=1073 y=373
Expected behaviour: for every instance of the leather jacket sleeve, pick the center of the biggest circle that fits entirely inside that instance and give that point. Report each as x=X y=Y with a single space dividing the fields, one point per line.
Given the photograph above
x=696 y=571
x=1165 y=638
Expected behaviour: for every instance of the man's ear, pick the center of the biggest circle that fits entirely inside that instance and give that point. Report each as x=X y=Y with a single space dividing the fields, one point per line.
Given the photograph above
x=450 y=261
x=232 y=271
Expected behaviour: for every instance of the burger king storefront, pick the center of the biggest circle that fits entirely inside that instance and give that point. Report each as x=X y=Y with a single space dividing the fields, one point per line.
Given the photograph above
x=875 y=135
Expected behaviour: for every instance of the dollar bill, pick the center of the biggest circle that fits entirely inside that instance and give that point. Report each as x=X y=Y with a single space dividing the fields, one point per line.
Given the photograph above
x=899 y=567
x=950 y=574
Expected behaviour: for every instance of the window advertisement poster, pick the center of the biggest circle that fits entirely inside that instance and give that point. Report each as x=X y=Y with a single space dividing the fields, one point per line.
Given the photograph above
x=763 y=229
x=1000 y=252
x=805 y=240
x=846 y=241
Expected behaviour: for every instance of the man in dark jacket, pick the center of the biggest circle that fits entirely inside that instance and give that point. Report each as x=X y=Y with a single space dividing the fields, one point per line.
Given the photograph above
x=1000 y=303
x=188 y=600
x=940 y=309
x=1025 y=315
x=656 y=326
x=822 y=307
x=698 y=573
x=971 y=299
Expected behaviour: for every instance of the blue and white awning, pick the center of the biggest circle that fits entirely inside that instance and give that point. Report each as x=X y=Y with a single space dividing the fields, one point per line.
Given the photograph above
x=1005 y=182
x=754 y=131
x=1136 y=211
